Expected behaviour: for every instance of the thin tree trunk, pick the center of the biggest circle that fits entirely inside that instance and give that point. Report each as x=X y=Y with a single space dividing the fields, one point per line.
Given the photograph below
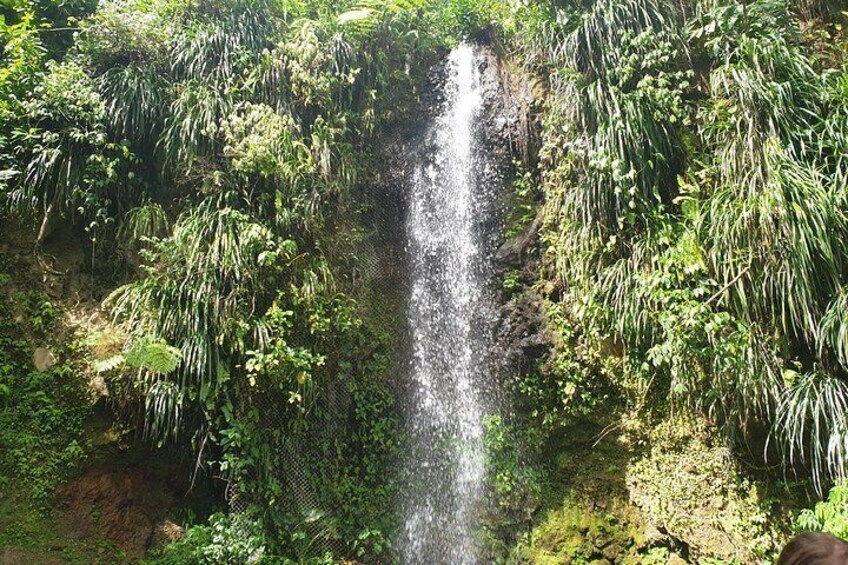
x=48 y=223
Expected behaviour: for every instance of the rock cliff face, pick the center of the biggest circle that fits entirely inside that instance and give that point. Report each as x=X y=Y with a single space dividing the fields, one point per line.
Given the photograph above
x=505 y=134
x=620 y=488
x=454 y=190
x=124 y=506
x=112 y=495
x=691 y=490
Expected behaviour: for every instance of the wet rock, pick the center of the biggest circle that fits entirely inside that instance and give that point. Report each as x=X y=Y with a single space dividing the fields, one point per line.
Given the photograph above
x=43 y=359
x=513 y=251
x=521 y=338
x=121 y=505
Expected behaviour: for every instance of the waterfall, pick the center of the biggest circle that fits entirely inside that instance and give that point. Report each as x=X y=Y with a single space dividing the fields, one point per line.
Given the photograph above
x=449 y=313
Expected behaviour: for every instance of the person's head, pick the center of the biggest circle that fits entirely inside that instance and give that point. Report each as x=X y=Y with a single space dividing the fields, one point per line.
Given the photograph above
x=814 y=548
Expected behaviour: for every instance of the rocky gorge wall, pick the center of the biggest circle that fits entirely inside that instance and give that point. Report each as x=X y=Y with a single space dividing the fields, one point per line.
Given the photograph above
x=612 y=480
x=616 y=485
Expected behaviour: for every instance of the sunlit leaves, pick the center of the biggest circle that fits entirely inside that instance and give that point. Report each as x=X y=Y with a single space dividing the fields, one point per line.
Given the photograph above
x=70 y=164
x=775 y=225
x=616 y=84
x=262 y=142
x=812 y=425
x=153 y=356
x=23 y=54
x=136 y=99
x=355 y=16
x=141 y=222
x=135 y=32
x=146 y=354
x=829 y=515
x=743 y=283
x=200 y=294
x=366 y=14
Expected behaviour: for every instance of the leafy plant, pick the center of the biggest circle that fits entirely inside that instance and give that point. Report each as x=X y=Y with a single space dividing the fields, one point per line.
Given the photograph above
x=233 y=540
x=829 y=516
x=717 y=265
x=42 y=439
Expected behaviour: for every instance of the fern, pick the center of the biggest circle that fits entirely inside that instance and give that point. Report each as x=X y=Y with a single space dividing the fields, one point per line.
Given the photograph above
x=109 y=364
x=153 y=356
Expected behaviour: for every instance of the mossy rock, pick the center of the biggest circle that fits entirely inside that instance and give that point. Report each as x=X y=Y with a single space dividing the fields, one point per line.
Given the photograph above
x=690 y=487
x=674 y=491
x=588 y=516
x=576 y=534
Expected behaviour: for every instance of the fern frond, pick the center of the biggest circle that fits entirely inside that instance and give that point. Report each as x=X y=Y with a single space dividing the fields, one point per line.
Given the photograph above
x=153 y=356
x=109 y=364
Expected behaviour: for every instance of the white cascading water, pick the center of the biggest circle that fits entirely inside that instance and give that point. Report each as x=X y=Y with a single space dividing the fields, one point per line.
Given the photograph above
x=448 y=313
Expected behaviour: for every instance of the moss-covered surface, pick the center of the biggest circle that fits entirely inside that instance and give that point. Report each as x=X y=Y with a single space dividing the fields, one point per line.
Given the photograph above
x=43 y=438
x=577 y=533
x=586 y=516
x=671 y=494
x=689 y=486
x=29 y=535
x=76 y=487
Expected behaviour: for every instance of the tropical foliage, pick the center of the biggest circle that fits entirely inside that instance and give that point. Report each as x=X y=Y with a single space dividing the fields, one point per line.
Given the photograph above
x=827 y=516
x=695 y=179
x=215 y=158
x=215 y=146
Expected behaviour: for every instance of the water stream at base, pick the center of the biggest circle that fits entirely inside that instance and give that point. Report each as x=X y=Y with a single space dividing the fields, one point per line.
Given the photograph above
x=448 y=312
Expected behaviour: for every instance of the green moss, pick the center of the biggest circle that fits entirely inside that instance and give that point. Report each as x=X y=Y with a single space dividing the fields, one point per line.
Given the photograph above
x=690 y=486
x=586 y=515
x=577 y=534
x=43 y=440
x=29 y=535
x=42 y=437
x=647 y=495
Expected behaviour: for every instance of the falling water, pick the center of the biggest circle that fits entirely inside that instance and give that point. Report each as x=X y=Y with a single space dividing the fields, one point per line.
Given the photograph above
x=449 y=311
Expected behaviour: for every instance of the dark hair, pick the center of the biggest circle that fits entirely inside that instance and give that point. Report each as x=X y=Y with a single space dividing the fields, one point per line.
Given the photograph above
x=814 y=548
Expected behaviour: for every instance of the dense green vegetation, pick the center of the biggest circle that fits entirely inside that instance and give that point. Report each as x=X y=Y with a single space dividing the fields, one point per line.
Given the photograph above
x=214 y=162
x=206 y=154
x=694 y=178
